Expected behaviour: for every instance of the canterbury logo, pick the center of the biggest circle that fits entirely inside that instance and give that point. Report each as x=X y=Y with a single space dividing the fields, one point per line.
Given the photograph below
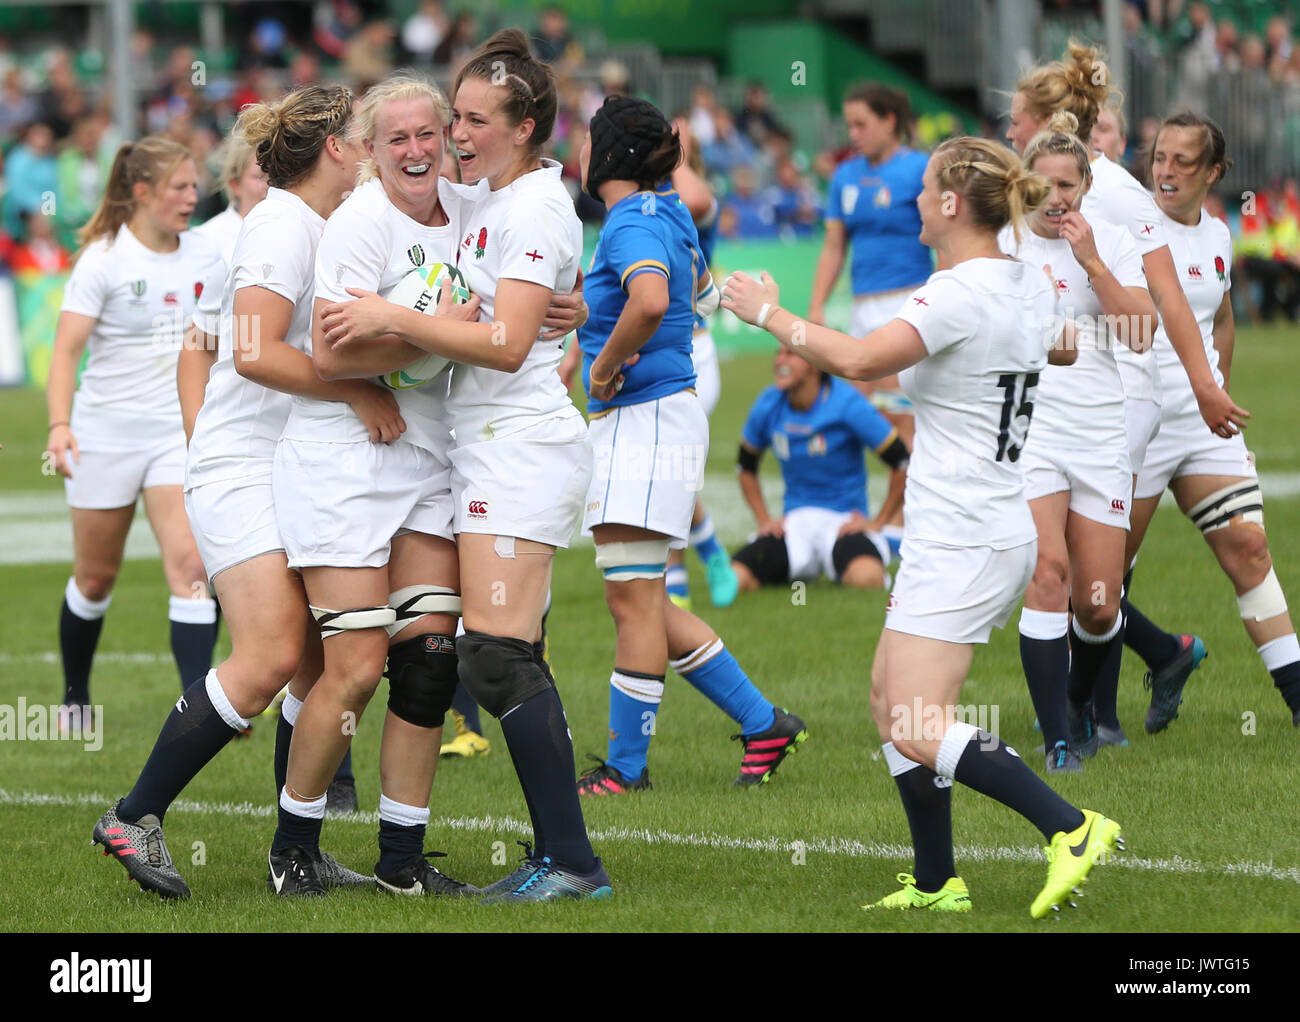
x=478 y=507
x=1194 y=272
x=1117 y=506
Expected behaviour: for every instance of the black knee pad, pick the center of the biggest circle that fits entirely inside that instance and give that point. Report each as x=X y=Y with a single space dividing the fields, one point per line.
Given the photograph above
x=422 y=679
x=767 y=559
x=500 y=673
x=848 y=548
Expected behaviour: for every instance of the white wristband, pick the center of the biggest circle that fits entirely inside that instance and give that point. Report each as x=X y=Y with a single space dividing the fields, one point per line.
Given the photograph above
x=763 y=315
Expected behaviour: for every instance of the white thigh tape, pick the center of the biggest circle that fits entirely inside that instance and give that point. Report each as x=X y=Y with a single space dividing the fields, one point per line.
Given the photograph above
x=411 y=602
x=1218 y=509
x=332 y=622
x=623 y=562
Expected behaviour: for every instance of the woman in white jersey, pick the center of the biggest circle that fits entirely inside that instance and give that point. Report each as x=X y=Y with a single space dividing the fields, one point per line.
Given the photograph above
x=969 y=345
x=1079 y=84
x=129 y=299
x=1077 y=474
x=369 y=525
x=245 y=184
x=521 y=458
x=1212 y=478
x=265 y=332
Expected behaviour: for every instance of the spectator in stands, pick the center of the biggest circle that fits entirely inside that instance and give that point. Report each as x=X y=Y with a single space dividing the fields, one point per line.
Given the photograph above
x=368 y=55
x=554 y=43
x=63 y=99
x=460 y=41
x=39 y=252
x=1277 y=34
x=424 y=30
x=304 y=70
x=614 y=79
x=335 y=22
x=793 y=202
x=704 y=105
x=744 y=213
x=32 y=177
x=81 y=174
x=755 y=118
x=266 y=46
x=17 y=106
x=729 y=149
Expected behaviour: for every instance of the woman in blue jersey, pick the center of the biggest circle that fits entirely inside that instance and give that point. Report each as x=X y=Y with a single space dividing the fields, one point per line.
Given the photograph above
x=872 y=206
x=651 y=436
x=818 y=426
x=978 y=328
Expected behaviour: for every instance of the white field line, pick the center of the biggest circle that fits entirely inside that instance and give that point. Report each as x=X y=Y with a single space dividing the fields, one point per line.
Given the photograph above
x=106 y=658
x=34 y=526
x=849 y=847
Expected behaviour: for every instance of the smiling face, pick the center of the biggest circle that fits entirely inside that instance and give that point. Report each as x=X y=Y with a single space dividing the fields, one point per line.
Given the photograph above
x=1180 y=173
x=871 y=134
x=487 y=144
x=1068 y=190
x=791 y=370
x=1024 y=125
x=170 y=204
x=407 y=149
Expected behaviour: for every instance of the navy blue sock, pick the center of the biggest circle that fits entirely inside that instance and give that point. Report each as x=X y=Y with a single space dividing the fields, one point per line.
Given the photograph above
x=1046 y=663
x=192 y=735
x=398 y=845
x=78 y=638
x=538 y=738
x=992 y=768
x=293 y=830
x=927 y=800
x=1287 y=680
x=344 y=772
x=283 y=739
x=463 y=703
x=1094 y=674
x=192 y=644
x=1152 y=643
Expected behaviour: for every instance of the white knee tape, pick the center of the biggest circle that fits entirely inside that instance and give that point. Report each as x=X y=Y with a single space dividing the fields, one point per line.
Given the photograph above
x=411 y=602
x=1266 y=600
x=623 y=562
x=1216 y=511
x=332 y=622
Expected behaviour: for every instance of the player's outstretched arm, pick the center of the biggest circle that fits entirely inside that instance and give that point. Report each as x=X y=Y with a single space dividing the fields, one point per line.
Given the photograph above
x=883 y=352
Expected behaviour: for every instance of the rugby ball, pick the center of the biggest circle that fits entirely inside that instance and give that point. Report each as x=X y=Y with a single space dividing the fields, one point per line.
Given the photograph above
x=419 y=290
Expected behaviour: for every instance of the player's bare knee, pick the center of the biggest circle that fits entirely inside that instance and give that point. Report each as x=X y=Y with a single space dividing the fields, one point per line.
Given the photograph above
x=745 y=580
x=96 y=585
x=864 y=573
x=1096 y=620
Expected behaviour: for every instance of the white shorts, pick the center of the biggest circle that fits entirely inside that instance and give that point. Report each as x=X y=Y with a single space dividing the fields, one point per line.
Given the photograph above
x=810 y=536
x=233 y=521
x=958 y=594
x=1095 y=472
x=528 y=484
x=339 y=505
x=1186 y=447
x=649 y=466
x=1142 y=423
x=708 y=379
x=109 y=479
x=871 y=312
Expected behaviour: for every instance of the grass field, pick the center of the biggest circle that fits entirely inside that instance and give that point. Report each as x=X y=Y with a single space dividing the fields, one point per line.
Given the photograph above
x=1206 y=806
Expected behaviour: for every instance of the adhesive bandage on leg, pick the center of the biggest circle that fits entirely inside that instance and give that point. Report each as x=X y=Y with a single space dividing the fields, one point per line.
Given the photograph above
x=411 y=602
x=1216 y=511
x=623 y=562
x=1266 y=600
x=331 y=622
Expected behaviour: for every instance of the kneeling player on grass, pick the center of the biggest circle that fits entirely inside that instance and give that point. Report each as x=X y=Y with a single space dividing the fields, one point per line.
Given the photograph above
x=818 y=427
x=976 y=329
x=651 y=437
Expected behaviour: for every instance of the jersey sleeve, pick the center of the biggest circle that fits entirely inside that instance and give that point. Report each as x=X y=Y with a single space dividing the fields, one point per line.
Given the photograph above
x=1125 y=262
x=872 y=429
x=834 y=203
x=1136 y=211
x=942 y=313
x=633 y=248
x=757 y=431
x=89 y=285
x=351 y=253
x=265 y=257
x=1223 y=257
x=539 y=248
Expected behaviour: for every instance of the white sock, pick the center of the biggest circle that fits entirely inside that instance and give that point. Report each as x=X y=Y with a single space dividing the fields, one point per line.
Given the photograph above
x=84 y=607
x=313 y=810
x=401 y=814
x=290 y=708
x=188 y=611
x=898 y=763
x=1044 y=624
x=1280 y=652
x=1097 y=640
x=703 y=532
x=221 y=702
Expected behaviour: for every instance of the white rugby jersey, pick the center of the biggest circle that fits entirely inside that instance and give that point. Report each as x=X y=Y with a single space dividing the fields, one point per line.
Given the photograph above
x=1073 y=399
x=985 y=324
x=222 y=232
x=142 y=302
x=369 y=243
x=240 y=421
x=1203 y=258
x=1117 y=197
x=524 y=231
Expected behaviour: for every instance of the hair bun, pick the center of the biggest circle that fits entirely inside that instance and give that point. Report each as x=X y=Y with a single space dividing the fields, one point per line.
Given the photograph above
x=1063 y=122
